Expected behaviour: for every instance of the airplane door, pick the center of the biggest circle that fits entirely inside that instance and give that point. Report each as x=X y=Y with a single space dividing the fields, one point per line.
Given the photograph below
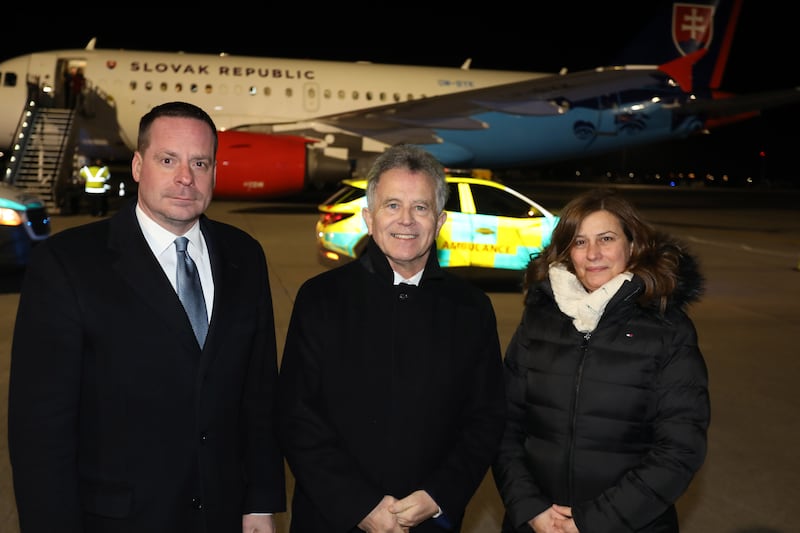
x=311 y=97
x=43 y=72
x=70 y=82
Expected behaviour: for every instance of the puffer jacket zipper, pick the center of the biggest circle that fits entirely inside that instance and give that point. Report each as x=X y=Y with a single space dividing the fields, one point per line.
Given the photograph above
x=573 y=414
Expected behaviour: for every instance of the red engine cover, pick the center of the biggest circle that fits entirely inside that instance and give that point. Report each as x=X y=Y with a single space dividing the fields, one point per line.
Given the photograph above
x=258 y=166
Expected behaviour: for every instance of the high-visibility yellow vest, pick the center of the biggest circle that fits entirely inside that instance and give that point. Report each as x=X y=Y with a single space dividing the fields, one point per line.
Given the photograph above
x=95 y=179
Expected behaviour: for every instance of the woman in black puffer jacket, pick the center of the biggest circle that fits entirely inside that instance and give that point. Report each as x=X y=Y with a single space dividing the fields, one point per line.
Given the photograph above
x=607 y=390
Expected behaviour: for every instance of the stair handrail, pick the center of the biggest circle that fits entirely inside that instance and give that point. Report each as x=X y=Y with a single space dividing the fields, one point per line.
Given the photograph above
x=21 y=138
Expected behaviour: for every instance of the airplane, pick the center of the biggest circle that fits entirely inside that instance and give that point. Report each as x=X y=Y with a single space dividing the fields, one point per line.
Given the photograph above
x=291 y=125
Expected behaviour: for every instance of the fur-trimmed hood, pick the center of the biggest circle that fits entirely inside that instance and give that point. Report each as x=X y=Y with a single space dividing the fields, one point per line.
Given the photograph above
x=672 y=255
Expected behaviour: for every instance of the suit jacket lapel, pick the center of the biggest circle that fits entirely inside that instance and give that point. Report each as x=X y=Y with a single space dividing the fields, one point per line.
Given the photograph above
x=137 y=265
x=224 y=273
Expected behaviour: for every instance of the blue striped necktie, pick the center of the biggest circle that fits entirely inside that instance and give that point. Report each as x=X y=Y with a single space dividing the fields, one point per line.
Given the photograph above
x=190 y=291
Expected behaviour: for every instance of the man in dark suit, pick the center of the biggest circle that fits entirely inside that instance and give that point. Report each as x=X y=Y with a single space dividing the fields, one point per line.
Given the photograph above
x=120 y=418
x=392 y=398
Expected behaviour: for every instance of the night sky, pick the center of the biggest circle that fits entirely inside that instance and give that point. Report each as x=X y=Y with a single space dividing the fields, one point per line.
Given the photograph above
x=544 y=37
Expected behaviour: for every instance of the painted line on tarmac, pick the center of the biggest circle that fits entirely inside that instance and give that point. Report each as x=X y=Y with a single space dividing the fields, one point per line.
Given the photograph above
x=744 y=247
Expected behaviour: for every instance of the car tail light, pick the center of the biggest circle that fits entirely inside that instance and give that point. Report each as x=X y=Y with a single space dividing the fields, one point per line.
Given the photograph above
x=330 y=218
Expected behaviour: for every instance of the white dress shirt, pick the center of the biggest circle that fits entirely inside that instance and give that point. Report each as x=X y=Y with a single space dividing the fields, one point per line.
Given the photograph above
x=162 y=243
x=413 y=280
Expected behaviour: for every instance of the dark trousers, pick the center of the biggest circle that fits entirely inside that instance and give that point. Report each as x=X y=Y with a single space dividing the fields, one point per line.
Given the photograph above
x=98 y=204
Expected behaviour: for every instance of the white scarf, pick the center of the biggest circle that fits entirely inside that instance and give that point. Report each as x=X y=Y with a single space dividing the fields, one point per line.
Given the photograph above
x=585 y=308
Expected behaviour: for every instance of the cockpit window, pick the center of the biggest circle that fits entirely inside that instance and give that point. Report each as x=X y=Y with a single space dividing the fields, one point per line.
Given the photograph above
x=9 y=79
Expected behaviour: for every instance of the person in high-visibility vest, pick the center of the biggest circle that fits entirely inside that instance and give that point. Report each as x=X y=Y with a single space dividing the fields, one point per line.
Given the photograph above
x=96 y=185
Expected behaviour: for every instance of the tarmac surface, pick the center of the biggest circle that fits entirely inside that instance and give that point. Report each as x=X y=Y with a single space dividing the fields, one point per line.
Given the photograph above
x=748 y=322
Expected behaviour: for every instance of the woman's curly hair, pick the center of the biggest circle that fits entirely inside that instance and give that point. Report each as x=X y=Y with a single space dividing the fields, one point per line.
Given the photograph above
x=656 y=257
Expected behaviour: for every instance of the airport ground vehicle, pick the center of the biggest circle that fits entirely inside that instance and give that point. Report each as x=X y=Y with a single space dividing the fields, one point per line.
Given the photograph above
x=489 y=226
x=24 y=221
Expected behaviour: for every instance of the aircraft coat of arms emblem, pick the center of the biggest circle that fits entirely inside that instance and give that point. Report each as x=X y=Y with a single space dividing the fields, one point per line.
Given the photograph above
x=692 y=26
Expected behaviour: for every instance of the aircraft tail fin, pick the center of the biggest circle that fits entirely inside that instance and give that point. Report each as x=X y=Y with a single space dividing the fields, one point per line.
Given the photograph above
x=693 y=34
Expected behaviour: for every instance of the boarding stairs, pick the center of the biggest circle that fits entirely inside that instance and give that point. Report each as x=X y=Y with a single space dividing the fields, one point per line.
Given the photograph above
x=43 y=157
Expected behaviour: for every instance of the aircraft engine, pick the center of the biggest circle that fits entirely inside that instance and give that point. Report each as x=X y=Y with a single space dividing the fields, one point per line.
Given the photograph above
x=253 y=166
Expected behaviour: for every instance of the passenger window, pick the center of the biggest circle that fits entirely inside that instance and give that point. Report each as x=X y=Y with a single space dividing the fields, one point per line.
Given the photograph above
x=491 y=201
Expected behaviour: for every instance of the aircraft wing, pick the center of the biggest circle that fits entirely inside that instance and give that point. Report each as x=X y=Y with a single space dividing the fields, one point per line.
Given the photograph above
x=417 y=121
x=454 y=123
